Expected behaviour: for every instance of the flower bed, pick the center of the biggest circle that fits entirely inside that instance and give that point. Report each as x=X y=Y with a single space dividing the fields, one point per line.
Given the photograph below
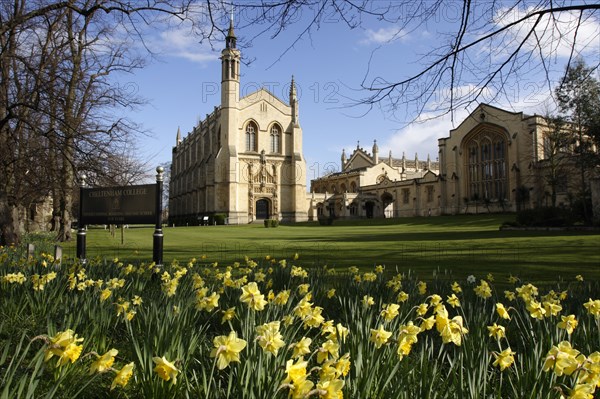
x=272 y=329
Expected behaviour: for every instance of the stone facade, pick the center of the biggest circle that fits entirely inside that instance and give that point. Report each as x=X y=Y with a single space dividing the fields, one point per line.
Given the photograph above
x=368 y=186
x=494 y=161
x=243 y=160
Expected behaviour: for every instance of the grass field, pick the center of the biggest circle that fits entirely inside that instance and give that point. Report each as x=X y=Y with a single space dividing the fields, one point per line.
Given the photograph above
x=460 y=245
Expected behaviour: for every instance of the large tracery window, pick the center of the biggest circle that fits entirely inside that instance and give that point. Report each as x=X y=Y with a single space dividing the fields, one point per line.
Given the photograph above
x=275 y=139
x=251 y=130
x=486 y=166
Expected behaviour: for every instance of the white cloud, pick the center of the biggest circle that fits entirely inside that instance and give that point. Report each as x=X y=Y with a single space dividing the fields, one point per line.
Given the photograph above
x=182 y=43
x=383 y=35
x=420 y=137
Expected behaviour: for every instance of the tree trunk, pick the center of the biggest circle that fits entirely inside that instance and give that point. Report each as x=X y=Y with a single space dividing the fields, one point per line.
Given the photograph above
x=9 y=222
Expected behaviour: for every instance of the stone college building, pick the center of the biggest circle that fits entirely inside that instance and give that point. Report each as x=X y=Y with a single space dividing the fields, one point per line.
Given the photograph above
x=245 y=161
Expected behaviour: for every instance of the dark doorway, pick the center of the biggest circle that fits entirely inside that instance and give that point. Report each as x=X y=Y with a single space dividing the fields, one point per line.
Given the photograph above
x=262 y=209
x=369 y=209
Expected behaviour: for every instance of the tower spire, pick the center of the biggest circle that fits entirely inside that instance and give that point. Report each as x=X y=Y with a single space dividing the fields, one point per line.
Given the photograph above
x=230 y=39
x=178 y=137
x=375 y=152
x=294 y=102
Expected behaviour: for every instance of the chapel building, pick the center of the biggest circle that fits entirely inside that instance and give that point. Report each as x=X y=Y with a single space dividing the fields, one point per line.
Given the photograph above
x=244 y=160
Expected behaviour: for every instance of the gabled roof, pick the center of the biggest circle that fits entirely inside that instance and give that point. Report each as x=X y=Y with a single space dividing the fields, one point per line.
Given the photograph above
x=262 y=94
x=358 y=155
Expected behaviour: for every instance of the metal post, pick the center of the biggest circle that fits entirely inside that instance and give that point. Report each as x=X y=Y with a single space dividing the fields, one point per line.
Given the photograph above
x=157 y=252
x=81 y=233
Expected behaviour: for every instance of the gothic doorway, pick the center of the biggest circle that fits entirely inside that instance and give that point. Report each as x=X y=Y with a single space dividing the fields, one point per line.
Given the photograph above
x=262 y=209
x=388 y=205
x=369 y=207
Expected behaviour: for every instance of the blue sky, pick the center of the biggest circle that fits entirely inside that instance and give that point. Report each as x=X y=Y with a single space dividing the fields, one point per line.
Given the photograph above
x=182 y=84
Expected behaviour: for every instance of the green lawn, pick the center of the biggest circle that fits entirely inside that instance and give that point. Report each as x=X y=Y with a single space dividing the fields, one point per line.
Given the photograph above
x=461 y=245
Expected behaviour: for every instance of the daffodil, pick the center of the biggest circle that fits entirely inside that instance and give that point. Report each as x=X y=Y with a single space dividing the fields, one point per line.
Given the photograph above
x=390 y=311
x=453 y=301
x=380 y=336
x=227 y=349
x=103 y=363
x=269 y=338
x=568 y=323
x=496 y=331
x=252 y=297
x=593 y=307
x=331 y=389
x=504 y=359
x=328 y=350
x=368 y=301
x=296 y=379
x=483 y=290
x=402 y=297
x=65 y=346
x=535 y=309
x=282 y=298
x=227 y=315
x=582 y=391
x=502 y=312
x=301 y=348
x=453 y=331
x=122 y=377
x=165 y=369
x=562 y=359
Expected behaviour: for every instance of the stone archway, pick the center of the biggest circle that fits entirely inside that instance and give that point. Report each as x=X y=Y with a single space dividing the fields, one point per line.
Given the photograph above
x=369 y=209
x=387 y=201
x=263 y=208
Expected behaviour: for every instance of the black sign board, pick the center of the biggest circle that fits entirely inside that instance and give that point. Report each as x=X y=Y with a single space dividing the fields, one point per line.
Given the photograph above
x=119 y=205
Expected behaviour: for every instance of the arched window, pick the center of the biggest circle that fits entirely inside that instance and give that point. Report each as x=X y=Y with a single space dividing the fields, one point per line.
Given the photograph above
x=251 y=131
x=276 y=139
x=486 y=166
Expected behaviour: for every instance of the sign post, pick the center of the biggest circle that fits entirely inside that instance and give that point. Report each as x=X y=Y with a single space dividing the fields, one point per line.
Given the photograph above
x=81 y=233
x=141 y=204
x=157 y=247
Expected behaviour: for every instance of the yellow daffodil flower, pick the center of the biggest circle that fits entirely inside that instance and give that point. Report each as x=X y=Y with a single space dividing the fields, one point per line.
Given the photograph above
x=380 y=336
x=301 y=348
x=568 y=323
x=227 y=349
x=104 y=362
x=165 y=369
x=562 y=359
x=502 y=312
x=390 y=311
x=122 y=377
x=252 y=297
x=496 y=331
x=269 y=338
x=504 y=359
x=453 y=301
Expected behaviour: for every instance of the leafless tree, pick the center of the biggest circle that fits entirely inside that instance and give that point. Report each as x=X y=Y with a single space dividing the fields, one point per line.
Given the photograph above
x=489 y=46
x=56 y=99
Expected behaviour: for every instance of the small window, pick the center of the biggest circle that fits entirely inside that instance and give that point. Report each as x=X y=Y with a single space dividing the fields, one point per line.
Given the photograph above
x=405 y=195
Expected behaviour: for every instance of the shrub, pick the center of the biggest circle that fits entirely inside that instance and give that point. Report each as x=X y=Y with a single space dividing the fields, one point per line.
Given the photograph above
x=271 y=222
x=544 y=217
x=326 y=221
x=219 y=218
